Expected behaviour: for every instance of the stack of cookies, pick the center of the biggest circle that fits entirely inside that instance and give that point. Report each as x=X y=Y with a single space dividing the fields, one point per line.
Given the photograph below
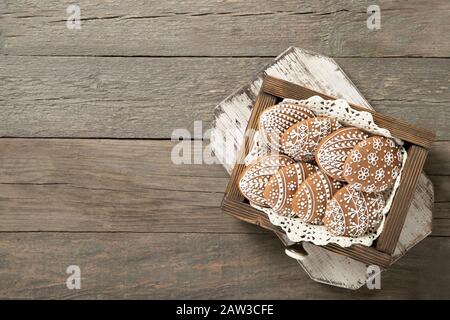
x=321 y=171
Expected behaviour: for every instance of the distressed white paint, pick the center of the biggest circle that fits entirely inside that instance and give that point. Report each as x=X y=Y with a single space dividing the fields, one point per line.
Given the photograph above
x=419 y=219
x=322 y=74
x=332 y=268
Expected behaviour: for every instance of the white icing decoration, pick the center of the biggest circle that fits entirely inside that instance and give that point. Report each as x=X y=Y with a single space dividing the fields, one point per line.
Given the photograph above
x=297 y=230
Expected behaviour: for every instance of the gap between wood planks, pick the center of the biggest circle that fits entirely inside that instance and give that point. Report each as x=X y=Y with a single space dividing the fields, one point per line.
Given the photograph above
x=112 y=185
x=130 y=98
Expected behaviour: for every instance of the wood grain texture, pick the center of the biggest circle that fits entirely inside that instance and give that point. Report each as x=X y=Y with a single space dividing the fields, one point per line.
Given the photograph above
x=441 y=226
x=125 y=185
x=218 y=28
x=94 y=185
x=208 y=266
x=130 y=97
x=441 y=210
x=113 y=97
x=438 y=161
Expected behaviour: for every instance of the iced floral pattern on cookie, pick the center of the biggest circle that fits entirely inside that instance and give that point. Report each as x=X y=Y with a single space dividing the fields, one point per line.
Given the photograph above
x=336 y=147
x=376 y=166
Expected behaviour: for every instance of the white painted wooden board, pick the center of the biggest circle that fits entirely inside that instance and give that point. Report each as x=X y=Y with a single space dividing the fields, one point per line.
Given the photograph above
x=322 y=74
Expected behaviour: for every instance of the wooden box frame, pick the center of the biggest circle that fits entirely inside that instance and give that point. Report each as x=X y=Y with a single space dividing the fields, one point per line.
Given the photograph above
x=417 y=144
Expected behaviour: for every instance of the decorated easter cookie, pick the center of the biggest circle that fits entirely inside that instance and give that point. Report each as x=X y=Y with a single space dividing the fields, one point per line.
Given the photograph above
x=255 y=177
x=352 y=212
x=282 y=186
x=275 y=120
x=301 y=140
x=311 y=198
x=334 y=148
x=373 y=165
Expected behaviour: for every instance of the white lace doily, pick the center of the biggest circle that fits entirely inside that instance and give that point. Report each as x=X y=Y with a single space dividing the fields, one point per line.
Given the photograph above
x=297 y=230
x=340 y=110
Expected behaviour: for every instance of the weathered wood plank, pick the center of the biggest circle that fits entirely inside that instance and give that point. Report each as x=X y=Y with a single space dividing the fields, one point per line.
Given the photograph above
x=441 y=210
x=218 y=28
x=150 y=97
x=113 y=97
x=122 y=185
x=185 y=266
x=438 y=161
x=441 y=227
x=441 y=188
x=114 y=184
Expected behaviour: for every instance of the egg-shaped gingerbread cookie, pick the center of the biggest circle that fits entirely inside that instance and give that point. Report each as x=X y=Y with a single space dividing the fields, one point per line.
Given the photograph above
x=282 y=186
x=275 y=120
x=373 y=165
x=352 y=212
x=255 y=177
x=310 y=200
x=301 y=140
x=334 y=148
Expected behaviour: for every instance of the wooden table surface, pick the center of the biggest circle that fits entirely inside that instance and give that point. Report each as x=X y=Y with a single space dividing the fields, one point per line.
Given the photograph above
x=86 y=176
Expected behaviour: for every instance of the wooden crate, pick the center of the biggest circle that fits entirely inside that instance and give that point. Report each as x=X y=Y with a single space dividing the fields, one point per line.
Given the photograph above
x=417 y=143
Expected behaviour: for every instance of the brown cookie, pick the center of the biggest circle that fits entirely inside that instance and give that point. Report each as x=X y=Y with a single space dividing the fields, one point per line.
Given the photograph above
x=275 y=120
x=255 y=177
x=281 y=187
x=301 y=140
x=373 y=165
x=311 y=198
x=334 y=148
x=352 y=212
